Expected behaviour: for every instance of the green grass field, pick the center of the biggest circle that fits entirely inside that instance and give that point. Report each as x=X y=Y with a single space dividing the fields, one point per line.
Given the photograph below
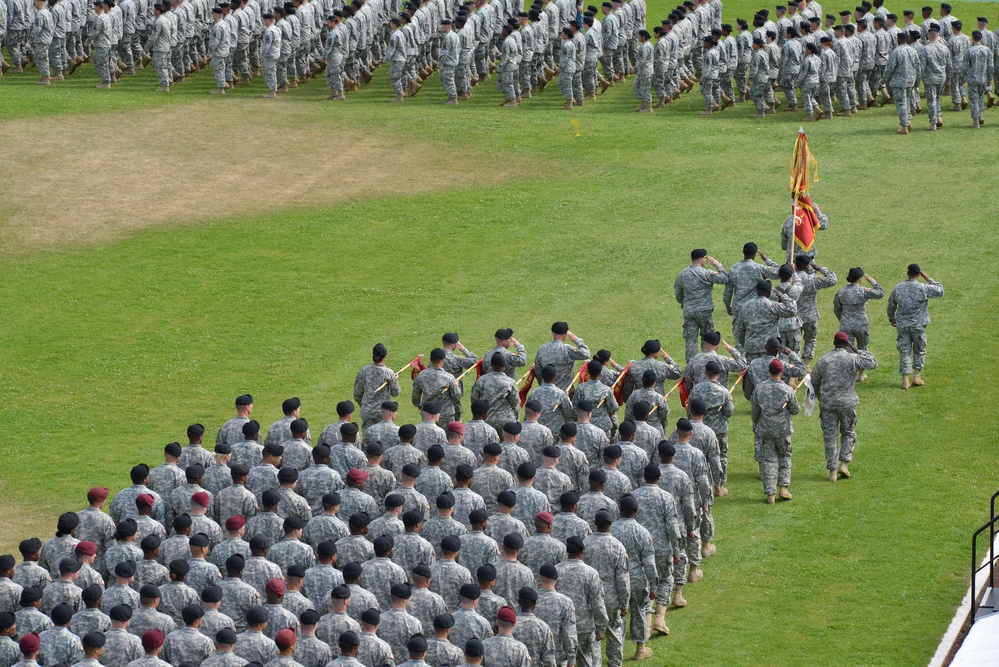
x=131 y=310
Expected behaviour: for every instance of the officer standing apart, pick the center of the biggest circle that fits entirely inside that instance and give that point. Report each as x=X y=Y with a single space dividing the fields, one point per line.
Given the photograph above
x=693 y=291
x=909 y=313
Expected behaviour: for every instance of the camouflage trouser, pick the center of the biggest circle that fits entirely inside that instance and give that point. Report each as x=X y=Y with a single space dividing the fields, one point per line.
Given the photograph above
x=161 y=63
x=934 y=93
x=862 y=79
x=462 y=82
x=711 y=92
x=396 y=79
x=613 y=640
x=911 y=342
x=270 y=73
x=395 y=75
x=838 y=434
x=240 y=60
x=102 y=59
x=843 y=93
x=758 y=92
x=723 y=454
x=808 y=98
x=787 y=84
x=859 y=337
x=958 y=93
x=876 y=79
x=15 y=44
x=809 y=334
x=901 y=97
x=57 y=54
x=769 y=92
x=282 y=71
x=642 y=87
x=725 y=81
x=776 y=463
x=707 y=526
x=447 y=83
x=125 y=50
x=577 y=86
x=590 y=76
x=42 y=59
x=697 y=323
x=219 y=71
x=607 y=60
x=638 y=607
x=621 y=58
x=740 y=78
x=976 y=100
x=664 y=568
x=584 y=649
x=565 y=85
x=791 y=337
x=505 y=81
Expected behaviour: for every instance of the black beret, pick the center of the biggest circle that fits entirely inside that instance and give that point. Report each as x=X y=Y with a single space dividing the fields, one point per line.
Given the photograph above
x=568 y=498
x=451 y=543
x=391 y=406
x=195 y=471
x=311 y=616
x=379 y=350
x=402 y=591
x=6 y=562
x=497 y=360
x=666 y=449
x=92 y=593
x=438 y=354
x=61 y=614
x=223 y=448
x=627 y=427
x=196 y=429
x=492 y=449
x=150 y=592
x=504 y=333
x=431 y=407
x=551 y=451
x=598 y=476
x=296 y=570
x=244 y=399
x=443 y=621
x=712 y=367
x=211 y=594
x=480 y=407
x=445 y=500
x=603 y=517
x=371 y=616
x=435 y=453
x=299 y=426
x=293 y=523
x=121 y=613
x=417 y=644
x=697 y=407
x=512 y=427
x=507 y=498
x=422 y=570
x=412 y=517
x=612 y=451
x=199 y=540
x=344 y=408
x=340 y=592
x=93 y=640
x=125 y=569
x=29 y=545
x=359 y=520
x=684 y=425
x=628 y=503
x=548 y=571
x=225 y=636
x=526 y=470
x=407 y=431
x=478 y=516
x=575 y=543
x=560 y=328
x=270 y=497
x=411 y=470
x=179 y=566
x=486 y=572
x=251 y=428
x=70 y=565
x=172 y=449
x=191 y=613
x=513 y=541
x=450 y=338
x=464 y=471
x=350 y=638
x=697 y=253
x=527 y=593
x=290 y=405
x=287 y=475
x=374 y=449
x=257 y=542
x=474 y=648
x=256 y=615
x=126 y=528
x=383 y=544
x=470 y=591
x=30 y=595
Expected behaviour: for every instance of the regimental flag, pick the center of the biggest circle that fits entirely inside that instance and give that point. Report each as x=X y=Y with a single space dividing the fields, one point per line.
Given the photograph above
x=418 y=366
x=618 y=387
x=584 y=373
x=683 y=393
x=478 y=368
x=804 y=171
x=528 y=381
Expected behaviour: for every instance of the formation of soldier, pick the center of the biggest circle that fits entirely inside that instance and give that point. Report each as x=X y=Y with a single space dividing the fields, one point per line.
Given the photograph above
x=540 y=530
x=819 y=58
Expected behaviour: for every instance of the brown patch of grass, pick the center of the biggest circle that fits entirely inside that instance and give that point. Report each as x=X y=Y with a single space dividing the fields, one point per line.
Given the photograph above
x=84 y=179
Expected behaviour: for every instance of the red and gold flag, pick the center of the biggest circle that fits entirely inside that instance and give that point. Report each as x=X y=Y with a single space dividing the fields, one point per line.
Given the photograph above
x=528 y=381
x=417 y=365
x=618 y=387
x=804 y=171
x=478 y=368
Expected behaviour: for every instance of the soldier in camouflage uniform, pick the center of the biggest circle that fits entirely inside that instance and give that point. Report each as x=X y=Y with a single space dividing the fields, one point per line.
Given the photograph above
x=511 y=361
x=440 y=651
x=381 y=573
x=908 y=312
x=678 y=484
x=404 y=453
x=438 y=527
x=787 y=242
x=214 y=620
x=238 y=596
x=337 y=621
x=617 y=483
x=258 y=569
x=718 y=409
x=558 y=612
x=249 y=451
x=589 y=439
x=384 y=431
x=187 y=644
x=663 y=370
x=447 y=575
x=455 y=453
x=534 y=436
x=425 y=605
x=532 y=632
x=147 y=617
x=368 y=390
x=322 y=577
x=58 y=644
x=489 y=479
x=331 y=434
x=530 y=501
x=819 y=277
x=693 y=289
x=548 y=479
x=225 y=641
x=499 y=391
x=762 y=315
x=433 y=481
x=694 y=373
x=232 y=431
x=556 y=407
x=641 y=402
x=477 y=548
x=397 y=624
x=253 y=645
x=373 y=650
x=511 y=574
x=120 y=646
x=657 y=512
x=64 y=590
x=741 y=287
x=502 y=648
x=599 y=395
x=581 y=583
x=692 y=460
x=93 y=649
x=410 y=549
x=773 y=404
x=541 y=547
x=29 y=619
x=561 y=355
x=639 y=546
x=478 y=433
x=280 y=431
x=96 y=526
x=437 y=385
x=194 y=452
x=389 y=523
x=166 y=477
x=469 y=623
x=608 y=557
x=833 y=379
x=152 y=645
x=456 y=364
x=91 y=618
x=123 y=505
x=380 y=481
x=850 y=307
x=503 y=522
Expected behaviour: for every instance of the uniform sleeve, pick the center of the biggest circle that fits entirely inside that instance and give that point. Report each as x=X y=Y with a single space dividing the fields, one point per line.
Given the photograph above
x=359 y=386
x=892 y=307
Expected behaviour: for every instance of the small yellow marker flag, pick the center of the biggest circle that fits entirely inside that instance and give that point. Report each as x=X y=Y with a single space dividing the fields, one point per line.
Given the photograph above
x=575 y=124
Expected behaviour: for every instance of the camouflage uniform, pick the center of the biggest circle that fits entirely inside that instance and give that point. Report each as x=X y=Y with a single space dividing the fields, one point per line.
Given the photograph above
x=164 y=478
x=61 y=591
x=657 y=512
x=539 y=549
x=97 y=527
x=380 y=483
x=552 y=483
x=693 y=289
x=213 y=621
x=237 y=598
x=29 y=619
x=59 y=645
x=123 y=505
x=296 y=603
x=678 y=484
x=758 y=371
x=468 y=624
x=693 y=462
x=833 y=379
x=147 y=618
x=176 y=596
x=556 y=407
x=233 y=545
x=248 y=452
x=291 y=551
x=232 y=501
x=454 y=455
x=720 y=407
x=278 y=619
x=489 y=606
x=609 y=558
x=396 y=627
x=332 y=625
x=447 y=578
x=604 y=416
x=563 y=357
x=592 y=502
x=437 y=385
x=146 y=525
x=89 y=620
x=741 y=287
x=478 y=434
x=353 y=501
x=147 y=661
x=117 y=594
x=477 y=549
x=10 y=652
x=656 y=419
x=437 y=528
x=292 y=504
x=534 y=437
x=633 y=460
x=369 y=396
x=425 y=606
x=231 y=431
x=195 y=453
x=386 y=524
x=773 y=404
x=187 y=645
x=511 y=576
x=558 y=613
x=384 y=431
x=313 y=652
x=457 y=362
x=617 y=483
x=122 y=551
x=590 y=440
x=433 y=481
x=488 y=481
x=429 y=434
x=412 y=550
x=354 y=549
x=466 y=500
x=512 y=456
x=850 y=307
x=787 y=231
x=255 y=646
x=694 y=373
x=501 y=525
x=179 y=502
x=500 y=391
x=908 y=311
x=120 y=648
x=413 y=500
x=442 y=652
x=396 y=457
x=567 y=525
x=506 y=651
x=379 y=575
x=88 y=576
x=664 y=370
x=581 y=584
x=514 y=360
x=316 y=481
x=761 y=316
x=644 y=576
x=808 y=310
x=217 y=478
x=374 y=651
x=319 y=580
x=331 y=434
x=223 y=659
x=202 y=574
x=257 y=571
x=530 y=501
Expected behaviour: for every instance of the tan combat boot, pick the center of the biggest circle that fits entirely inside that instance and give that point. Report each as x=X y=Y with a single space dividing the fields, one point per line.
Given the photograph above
x=642 y=652
x=708 y=549
x=695 y=574
x=844 y=471
x=917 y=380
x=269 y=95
x=218 y=91
x=567 y=106
x=784 y=494
x=398 y=98
x=771 y=499
x=905 y=382
x=658 y=622
x=833 y=475
x=678 y=600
